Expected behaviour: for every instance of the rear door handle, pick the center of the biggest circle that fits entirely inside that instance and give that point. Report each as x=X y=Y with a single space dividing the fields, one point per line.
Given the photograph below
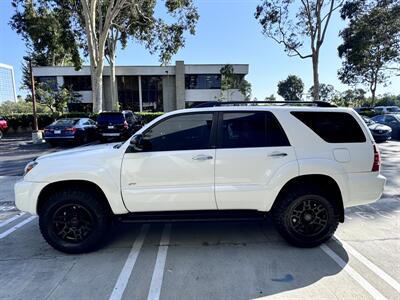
x=278 y=154
x=202 y=157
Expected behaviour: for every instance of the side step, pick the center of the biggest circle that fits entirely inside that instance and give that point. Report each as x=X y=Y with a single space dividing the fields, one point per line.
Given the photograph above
x=193 y=216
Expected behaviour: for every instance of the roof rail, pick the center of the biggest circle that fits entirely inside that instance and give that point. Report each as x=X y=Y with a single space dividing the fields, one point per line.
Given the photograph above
x=226 y=103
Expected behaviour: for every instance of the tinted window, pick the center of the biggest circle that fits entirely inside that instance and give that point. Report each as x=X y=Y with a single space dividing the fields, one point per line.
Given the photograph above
x=66 y=122
x=251 y=129
x=333 y=127
x=116 y=118
x=390 y=119
x=379 y=119
x=78 y=83
x=184 y=132
x=203 y=81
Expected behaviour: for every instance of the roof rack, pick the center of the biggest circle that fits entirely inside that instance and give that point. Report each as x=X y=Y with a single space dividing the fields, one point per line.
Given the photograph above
x=226 y=103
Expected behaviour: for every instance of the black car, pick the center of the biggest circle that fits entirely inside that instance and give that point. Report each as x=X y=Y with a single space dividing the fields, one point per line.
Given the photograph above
x=77 y=130
x=117 y=125
x=391 y=120
x=380 y=132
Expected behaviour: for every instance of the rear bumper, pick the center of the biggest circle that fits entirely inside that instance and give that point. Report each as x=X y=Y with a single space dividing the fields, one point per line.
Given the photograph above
x=364 y=188
x=27 y=194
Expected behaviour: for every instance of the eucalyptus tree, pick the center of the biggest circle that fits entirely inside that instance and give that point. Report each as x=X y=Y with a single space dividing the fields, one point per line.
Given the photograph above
x=370 y=50
x=296 y=23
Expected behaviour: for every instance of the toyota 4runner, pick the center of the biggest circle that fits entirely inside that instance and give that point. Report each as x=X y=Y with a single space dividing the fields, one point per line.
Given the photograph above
x=304 y=165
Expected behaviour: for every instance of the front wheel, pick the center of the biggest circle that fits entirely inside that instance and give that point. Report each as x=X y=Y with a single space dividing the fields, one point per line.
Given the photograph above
x=74 y=220
x=306 y=217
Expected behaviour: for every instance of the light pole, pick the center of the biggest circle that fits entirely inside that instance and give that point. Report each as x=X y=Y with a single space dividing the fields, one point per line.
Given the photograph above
x=35 y=135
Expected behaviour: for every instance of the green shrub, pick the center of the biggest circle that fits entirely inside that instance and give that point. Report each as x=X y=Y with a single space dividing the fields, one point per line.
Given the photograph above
x=25 y=121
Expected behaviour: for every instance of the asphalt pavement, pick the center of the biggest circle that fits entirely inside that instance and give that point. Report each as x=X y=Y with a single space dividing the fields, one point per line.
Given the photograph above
x=205 y=260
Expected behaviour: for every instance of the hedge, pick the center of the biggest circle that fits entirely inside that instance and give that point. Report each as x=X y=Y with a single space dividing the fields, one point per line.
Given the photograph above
x=25 y=121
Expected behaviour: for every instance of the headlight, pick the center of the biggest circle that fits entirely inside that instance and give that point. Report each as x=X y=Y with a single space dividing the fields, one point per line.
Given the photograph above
x=29 y=167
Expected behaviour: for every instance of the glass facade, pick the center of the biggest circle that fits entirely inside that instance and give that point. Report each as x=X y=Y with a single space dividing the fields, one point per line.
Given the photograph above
x=152 y=93
x=128 y=92
x=7 y=88
x=203 y=81
x=50 y=81
x=78 y=83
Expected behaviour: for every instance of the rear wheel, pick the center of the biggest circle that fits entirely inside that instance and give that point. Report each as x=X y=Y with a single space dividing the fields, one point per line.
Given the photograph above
x=306 y=216
x=74 y=220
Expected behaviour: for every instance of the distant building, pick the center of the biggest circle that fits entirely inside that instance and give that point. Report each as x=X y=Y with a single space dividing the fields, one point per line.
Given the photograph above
x=146 y=88
x=7 y=83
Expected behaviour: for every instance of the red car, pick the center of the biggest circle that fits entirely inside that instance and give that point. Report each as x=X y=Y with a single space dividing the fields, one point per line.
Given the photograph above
x=3 y=127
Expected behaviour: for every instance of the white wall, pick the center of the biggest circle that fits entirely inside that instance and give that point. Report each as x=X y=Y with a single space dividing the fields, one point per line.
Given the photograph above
x=212 y=95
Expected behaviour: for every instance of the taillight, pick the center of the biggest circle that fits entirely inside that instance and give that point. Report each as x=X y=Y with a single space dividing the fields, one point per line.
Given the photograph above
x=377 y=160
x=126 y=126
x=71 y=129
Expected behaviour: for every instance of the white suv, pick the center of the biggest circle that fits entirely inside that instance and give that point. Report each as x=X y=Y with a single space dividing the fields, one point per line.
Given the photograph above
x=302 y=164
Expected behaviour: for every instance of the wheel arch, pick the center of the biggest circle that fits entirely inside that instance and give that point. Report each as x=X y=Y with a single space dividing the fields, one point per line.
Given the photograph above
x=315 y=179
x=80 y=184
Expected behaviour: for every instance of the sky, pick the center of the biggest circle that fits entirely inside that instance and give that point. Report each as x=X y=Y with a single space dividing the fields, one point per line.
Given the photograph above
x=227 y=33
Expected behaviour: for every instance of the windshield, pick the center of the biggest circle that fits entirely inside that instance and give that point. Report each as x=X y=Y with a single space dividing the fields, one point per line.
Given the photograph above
x=368 y=121
x=393 y=109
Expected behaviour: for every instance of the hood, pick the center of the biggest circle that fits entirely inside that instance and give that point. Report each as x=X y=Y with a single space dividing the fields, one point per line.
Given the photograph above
x=80 y=151
x=378 y=126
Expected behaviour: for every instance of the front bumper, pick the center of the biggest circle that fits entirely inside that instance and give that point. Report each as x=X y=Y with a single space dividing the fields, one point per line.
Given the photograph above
x=365 y=188
x=27 y=195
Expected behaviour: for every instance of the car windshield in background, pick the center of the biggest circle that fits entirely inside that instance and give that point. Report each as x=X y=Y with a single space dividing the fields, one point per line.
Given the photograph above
x=66 y=122
x=393 y=109
x=110 y=118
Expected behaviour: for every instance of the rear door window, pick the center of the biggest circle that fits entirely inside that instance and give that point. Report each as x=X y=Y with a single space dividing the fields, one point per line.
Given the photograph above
x=250 y=130
x=332 y=127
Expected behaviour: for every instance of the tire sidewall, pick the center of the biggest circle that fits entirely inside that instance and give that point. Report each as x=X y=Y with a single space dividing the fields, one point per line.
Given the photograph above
x=92 y=241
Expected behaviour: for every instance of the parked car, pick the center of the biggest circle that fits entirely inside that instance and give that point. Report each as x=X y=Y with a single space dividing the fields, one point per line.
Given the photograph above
x=117 y=125
x=380 y=132
x=3 y=127
x=365 y=110
x=391 y=120
x=387 y=109
x=303 y=165
x=77 y=130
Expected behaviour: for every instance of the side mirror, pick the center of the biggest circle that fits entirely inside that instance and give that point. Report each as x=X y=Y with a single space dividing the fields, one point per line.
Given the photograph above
x=137 y=142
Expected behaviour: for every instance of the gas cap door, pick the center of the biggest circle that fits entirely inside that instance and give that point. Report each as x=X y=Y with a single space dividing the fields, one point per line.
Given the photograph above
x=341 y=155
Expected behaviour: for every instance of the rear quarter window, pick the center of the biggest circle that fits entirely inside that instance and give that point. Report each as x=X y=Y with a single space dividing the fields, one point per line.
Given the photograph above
x=332 y=127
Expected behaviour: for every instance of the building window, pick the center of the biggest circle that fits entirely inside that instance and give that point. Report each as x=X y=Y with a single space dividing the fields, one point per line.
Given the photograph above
x=6 y=85
x=203 y=81
x=152 y=94
x=50 y=81
x=78 y=83
x=128 y=92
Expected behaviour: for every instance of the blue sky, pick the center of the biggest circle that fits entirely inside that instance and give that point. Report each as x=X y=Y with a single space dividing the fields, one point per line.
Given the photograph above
x=227 y=32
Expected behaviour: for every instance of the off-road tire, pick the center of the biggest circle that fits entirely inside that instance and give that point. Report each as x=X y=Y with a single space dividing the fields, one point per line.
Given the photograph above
x=290 y=199
x=84 y=199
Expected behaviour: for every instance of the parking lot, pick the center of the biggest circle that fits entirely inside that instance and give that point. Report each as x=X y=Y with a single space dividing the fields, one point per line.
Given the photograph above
x=202 y=260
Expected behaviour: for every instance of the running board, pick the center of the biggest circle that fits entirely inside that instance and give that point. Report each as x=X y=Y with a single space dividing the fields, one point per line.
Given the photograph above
x=192 y=216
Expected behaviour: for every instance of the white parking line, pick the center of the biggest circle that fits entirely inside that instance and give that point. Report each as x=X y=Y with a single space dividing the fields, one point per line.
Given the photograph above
x=8 y=221
x=158 y=273
x=353 y=273
x=374 y=268
x=125 y=274
x=19 y=225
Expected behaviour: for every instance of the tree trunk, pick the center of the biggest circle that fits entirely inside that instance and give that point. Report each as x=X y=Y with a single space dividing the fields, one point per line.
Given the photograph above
x=113 y=84
x=315 y=76
x=97 y=88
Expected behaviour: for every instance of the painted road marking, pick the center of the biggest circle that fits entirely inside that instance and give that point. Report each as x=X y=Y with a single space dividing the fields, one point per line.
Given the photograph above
x=126 y=271
x=19 y=225
x=374 y=268
x=8 y=221
x=158 y=273
x=353 y=273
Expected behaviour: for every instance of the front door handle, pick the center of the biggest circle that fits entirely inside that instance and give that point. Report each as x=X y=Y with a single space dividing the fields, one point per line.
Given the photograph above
x=202 y=157
x=278 y=154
